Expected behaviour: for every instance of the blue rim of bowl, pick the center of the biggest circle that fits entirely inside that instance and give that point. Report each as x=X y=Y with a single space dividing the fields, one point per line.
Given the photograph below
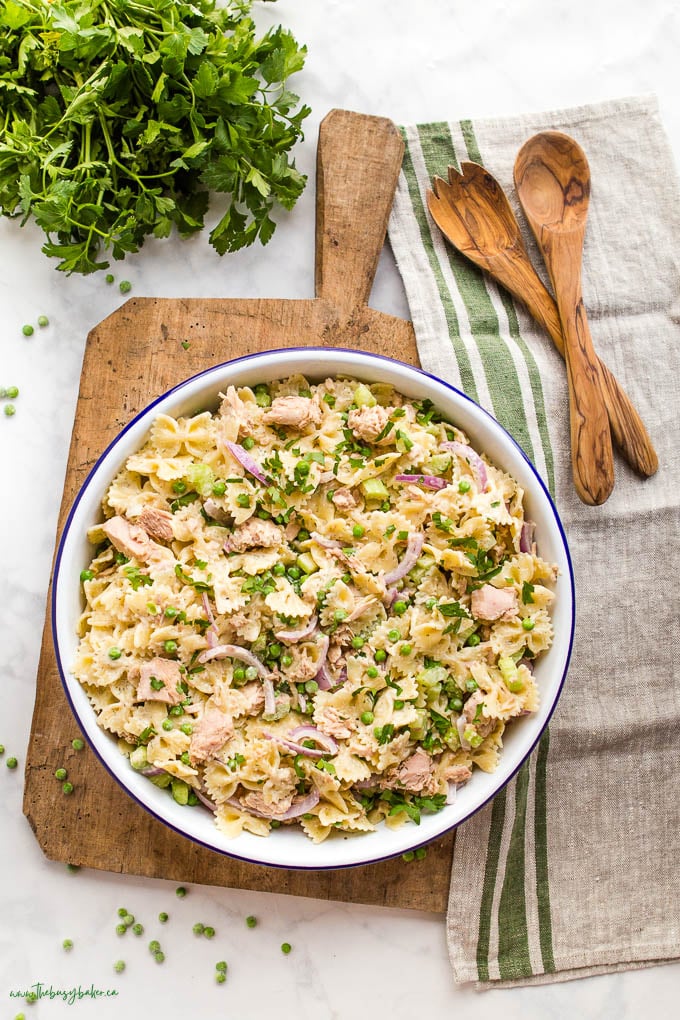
x=253 y=357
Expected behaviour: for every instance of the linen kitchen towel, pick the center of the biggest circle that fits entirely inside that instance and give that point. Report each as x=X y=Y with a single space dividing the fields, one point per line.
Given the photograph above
x=574 y=868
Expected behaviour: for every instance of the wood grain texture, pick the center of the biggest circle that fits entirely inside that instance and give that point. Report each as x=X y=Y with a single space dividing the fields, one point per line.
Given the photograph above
x=137 y=354
x=473 y=212
x=552 y=178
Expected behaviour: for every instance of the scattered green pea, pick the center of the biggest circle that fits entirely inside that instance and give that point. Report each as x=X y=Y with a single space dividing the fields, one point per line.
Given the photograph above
x=67 y=944
x=198 y=928
x=180 y=891
x=220 y=977
x=9 y=410
x=163 y=917
x=2 y=748
x=110 y=278
x=77 y=744
x=119 y=966
x=286 y=947
x=43 y=321
x=123 y=911
x=60 y=774
x=121 y=929
x=11 y=763
x=159 y=957
x=138 y=929
x=128 y=920
x=408 y=856
x=72 y=868
x=12 y=392
x=421 y=852
x=221 y=966
x=251 y=921
x=154 y=946
x=209 y=932
x=125 y=286
x=27 y=330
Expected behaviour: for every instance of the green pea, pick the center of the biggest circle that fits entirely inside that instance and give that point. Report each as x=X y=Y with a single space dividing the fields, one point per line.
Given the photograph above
x=380 y=655
x=367 y=718
x=9 y=410
x=248 y=443
x=302 y=468
x=27 y=330
x=251 y=673
x=239 y=673
x=159 y=957
x=303 y=535
x=405 y=649
x=251 y=922
x=278 y=570
x=286 y=659
x=138 y=929
x=109 y=278
x=86 y=575
x=125 y=286
x=119 y=966
x=219 y=487
x=408 y=856
x=168 y=725
x=311 y=687
x=77 y=744
x=456 y=704
x=11 y=763
x=274 y=650
x=170 y=647
x=471 y=685
x=286 y=947
x=180 y=891
x=67 y=788
x=43 y=321
x=294 y=573
x=528 y=623
x=421 y=852
x=358 y=642
x=393 y=635
x=339 y=615
x=154 y=946
x=220 y=977
x=60 y=774
x=67 y=944
x=171 y=612
x=372 y=672
x=187 y=728
x=358 y=531
x=163 y=917
x=115 y=653
x=198 y=928
x=399 y=608
x=12 y=392
x=463 y=485
x=473 y=640
x=209 y=932
x=179 y=486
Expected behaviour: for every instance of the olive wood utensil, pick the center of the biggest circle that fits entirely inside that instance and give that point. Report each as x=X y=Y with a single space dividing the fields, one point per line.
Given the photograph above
x=552 y=178
x=473 y=212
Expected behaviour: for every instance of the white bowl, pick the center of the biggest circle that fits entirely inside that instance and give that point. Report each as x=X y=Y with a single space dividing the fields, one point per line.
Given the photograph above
x=288 y=847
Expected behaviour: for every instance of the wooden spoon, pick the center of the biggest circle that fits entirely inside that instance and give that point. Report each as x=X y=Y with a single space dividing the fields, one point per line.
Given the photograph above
x=473 y=213
x=552 y=178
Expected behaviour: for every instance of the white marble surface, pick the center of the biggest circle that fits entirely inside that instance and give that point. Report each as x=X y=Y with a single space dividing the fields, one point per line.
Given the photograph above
x=411 y=61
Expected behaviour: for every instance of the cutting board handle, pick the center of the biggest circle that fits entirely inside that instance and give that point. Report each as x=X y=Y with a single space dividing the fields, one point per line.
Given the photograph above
x=357 y=166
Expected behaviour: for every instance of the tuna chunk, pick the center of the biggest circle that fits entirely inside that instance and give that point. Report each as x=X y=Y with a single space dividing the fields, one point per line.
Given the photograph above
x=131 y=540
x=156 y=523
x=471 y=712
x=416 y=773
x=165 y=671
x=254 y=534
x=457 y=774
x=294 y=412
x=211 y=732
x=331 y=723
x=344 y=499
x=489 y=603
x=253 y=698
x=256 y=803
x=368 y=422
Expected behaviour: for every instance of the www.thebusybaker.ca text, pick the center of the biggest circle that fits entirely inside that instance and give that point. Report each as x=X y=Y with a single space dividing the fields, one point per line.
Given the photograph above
x=68 y=995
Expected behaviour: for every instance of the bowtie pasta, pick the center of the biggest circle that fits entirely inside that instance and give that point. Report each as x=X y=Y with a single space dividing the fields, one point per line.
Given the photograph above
x=316 y=606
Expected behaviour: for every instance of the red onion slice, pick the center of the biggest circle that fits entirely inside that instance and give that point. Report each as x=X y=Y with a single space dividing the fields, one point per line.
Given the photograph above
x=216 y=512
x=461 y=724
x=212 y=637
x=292 y=636
x=427 y=481
x=206 y=801
x=302 y=701
x=324 y=679
x=325 y=543
x=269 y=696
x=291 y=745
x=473 y=459
x=246 y=461
x=234 y=652
x=312 y=733
x=151 y=770
x=301 y=805
x=526 y=538
x=452 y=792
x=414 y=547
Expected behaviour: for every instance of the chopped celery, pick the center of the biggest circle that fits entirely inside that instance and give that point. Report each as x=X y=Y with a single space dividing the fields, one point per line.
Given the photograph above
x=418 y=727
x=374 y=488
x=510 y=674
x=439 y=464
x=306 y=562
x=201 y=478
x=138 y=758
x=180 y=791
x=163 y=780
x=363 y=396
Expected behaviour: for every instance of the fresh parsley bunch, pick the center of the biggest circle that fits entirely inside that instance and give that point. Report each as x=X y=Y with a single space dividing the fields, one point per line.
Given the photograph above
x=117 y=117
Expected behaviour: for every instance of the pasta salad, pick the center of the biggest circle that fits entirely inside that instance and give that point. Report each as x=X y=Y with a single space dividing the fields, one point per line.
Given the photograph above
x=317 y=605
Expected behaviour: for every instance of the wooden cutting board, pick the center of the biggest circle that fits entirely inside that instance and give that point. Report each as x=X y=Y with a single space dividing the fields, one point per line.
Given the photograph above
x=137 y=354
